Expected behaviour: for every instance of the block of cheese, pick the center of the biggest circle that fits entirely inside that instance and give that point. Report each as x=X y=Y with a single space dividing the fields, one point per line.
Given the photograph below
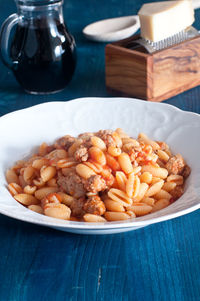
x=160 y=20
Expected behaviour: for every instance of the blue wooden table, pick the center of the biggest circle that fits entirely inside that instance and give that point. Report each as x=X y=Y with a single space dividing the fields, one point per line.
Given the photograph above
x=159 y=262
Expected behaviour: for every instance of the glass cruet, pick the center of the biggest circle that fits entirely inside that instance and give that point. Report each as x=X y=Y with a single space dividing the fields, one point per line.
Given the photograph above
x=41 y=51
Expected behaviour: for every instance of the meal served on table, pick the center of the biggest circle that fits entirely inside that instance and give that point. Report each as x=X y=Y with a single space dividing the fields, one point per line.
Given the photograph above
x=99 y=177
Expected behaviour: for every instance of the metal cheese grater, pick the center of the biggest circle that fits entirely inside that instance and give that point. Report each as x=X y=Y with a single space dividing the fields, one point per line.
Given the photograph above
x=177 y=38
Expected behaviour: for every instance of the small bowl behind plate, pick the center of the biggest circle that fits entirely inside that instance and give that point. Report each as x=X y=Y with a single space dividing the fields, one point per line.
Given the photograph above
x=111 y=30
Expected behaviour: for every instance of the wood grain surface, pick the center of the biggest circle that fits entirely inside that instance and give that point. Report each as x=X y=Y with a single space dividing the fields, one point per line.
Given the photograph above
x=157 y=263
x=176 y=69
x=155 y=77
x=126 y=72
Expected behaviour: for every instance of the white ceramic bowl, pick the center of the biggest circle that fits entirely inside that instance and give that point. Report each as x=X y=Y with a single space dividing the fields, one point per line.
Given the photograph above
x=22 y=131
x=113 y=29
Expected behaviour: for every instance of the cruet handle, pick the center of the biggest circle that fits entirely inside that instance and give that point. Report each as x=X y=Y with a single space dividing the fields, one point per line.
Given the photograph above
x=5 y=31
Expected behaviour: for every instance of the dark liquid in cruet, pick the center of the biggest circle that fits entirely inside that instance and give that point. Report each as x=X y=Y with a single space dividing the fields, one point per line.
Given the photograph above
x=46 y=57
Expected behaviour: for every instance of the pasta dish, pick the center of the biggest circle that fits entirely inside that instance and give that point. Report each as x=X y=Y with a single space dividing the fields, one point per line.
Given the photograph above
x=99 y=177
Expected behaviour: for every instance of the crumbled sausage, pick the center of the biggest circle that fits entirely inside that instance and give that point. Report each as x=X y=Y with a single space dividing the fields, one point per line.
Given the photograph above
x=106 y=136
x=72 y=184
x=108 y=177
x=64 y=142
x=94 y=205
x=50 y=148
x=85 y=136
x=95 y=184
x=87 y=143
x=81 y=154
x=186 y=171
x=177 y=192
x=77 y=207
x=134 y=152
x=175 y=165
